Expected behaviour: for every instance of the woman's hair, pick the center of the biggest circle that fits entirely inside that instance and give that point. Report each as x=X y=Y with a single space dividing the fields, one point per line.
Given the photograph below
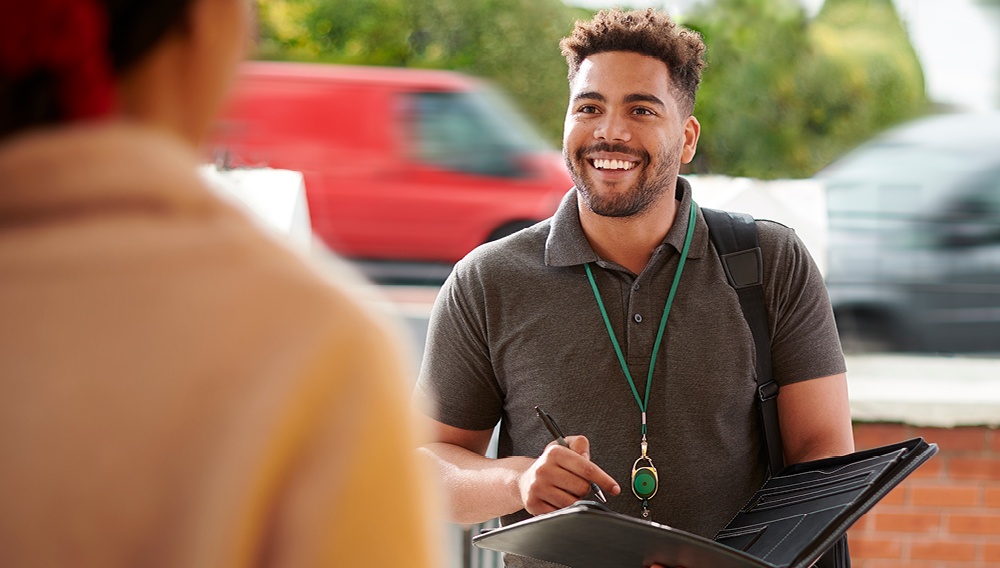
x=59 y=58
x=647 y=32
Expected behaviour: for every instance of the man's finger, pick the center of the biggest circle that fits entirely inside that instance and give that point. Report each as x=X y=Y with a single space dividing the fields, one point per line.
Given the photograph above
x=577 y=464
x=556 y=497
x=558 y=473
x=554 y=488
x=580 y=445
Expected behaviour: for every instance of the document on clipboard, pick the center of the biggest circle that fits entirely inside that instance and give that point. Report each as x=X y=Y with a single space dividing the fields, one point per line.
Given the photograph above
x=788 y=523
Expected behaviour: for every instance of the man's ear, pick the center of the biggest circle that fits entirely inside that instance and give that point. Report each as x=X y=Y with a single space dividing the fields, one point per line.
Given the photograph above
x=692 y=129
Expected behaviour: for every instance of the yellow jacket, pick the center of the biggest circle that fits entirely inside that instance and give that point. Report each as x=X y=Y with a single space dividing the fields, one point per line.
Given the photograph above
x=177 y=389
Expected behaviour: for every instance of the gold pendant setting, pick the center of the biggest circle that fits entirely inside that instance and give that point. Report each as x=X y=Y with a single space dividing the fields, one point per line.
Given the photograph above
x=644 y=480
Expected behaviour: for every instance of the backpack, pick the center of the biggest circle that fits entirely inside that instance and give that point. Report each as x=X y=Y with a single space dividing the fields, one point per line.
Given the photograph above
x=735 y=238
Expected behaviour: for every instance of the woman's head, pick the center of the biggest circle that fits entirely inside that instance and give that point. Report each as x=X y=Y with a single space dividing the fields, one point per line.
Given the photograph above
x=66 y=60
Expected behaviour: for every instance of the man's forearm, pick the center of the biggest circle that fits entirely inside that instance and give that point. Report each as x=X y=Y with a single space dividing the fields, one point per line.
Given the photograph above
x=477 y=488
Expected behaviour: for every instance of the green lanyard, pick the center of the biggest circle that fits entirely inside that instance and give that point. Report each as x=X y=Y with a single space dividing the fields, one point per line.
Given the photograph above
x=644 y=480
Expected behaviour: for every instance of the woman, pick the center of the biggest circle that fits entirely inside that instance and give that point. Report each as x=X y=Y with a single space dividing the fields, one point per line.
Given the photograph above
x=178 y=389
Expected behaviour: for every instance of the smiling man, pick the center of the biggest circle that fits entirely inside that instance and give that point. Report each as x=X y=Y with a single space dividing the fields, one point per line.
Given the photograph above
x=615 y=316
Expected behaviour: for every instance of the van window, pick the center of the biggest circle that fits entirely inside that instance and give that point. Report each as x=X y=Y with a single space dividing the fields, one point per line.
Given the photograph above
x=470 y=132
x=890 y=180
x=972 y=216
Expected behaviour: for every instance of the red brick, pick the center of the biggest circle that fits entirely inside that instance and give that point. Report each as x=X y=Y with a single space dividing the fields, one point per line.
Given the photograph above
x=974 y=468
x=943 y=550
x=974 y=524
x=862 y=548
x=879 y=434
x=966 y=439
x=895 y=497
x=991 y=553
x=898 y=564
x=907 y=522
x=944 y=496
x=932 y=469
x=992 y=498
x=995 y=444
x=862 y=523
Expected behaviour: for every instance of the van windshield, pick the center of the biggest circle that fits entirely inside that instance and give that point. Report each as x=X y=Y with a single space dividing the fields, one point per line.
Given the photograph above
x=894 y=180
x=476 y=132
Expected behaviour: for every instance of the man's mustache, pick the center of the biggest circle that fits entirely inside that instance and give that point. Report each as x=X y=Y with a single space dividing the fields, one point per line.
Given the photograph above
x=641 y=156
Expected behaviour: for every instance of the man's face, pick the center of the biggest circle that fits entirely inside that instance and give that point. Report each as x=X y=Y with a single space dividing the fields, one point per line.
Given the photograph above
x=625 y=135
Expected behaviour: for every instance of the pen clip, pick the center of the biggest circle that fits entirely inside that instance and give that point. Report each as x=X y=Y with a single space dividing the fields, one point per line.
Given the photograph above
x=549 y=422
x=555 y=426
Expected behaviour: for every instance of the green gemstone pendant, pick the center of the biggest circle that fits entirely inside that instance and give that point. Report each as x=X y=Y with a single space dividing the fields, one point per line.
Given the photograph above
x=644 y=480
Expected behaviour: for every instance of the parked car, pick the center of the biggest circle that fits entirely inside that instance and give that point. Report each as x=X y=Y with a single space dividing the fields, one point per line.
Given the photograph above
x=914 y=242
x=398 y=164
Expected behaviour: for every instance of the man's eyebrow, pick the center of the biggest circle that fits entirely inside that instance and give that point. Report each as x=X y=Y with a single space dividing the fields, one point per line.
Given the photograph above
x=643 y=98
x=591 y=95
x=632 y=98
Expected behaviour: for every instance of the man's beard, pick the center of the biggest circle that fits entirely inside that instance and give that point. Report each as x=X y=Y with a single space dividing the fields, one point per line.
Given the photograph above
x=650 y=185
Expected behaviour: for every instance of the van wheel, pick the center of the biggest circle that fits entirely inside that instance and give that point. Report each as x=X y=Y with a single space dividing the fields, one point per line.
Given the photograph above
x=509 y=229
x=867 y=332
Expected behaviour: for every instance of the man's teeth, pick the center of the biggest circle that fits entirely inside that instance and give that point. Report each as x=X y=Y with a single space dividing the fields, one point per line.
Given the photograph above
x=613 y=165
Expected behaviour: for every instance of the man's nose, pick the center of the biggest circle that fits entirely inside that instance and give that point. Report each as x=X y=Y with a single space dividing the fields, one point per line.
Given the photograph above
x=613 y=128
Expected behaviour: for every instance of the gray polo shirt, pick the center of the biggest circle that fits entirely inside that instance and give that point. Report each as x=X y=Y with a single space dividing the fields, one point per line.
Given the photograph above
x=517 y=325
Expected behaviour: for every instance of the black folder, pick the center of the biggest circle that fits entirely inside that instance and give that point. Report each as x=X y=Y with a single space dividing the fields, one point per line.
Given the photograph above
x=790 y=522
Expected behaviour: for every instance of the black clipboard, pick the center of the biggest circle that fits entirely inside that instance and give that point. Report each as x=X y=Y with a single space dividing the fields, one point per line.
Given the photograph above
x=789 y=523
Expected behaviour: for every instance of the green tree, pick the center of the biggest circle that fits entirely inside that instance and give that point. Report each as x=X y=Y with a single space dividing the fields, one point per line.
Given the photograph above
x=783 y=96
x=514 y=43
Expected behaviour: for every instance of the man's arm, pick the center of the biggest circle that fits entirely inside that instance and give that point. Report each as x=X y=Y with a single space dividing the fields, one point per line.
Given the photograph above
x=815 y=419
x=479 y=488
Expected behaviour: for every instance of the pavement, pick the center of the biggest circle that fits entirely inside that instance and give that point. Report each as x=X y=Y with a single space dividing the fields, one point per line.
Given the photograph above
x=925 y=390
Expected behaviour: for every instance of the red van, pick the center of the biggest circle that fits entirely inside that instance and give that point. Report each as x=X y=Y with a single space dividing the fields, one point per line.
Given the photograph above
x=399 y=164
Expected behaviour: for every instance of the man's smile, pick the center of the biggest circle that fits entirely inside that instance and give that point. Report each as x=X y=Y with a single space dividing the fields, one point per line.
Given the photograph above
x=602 y=164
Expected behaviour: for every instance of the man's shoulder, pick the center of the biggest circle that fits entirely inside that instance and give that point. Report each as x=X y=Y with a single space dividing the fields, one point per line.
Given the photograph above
x=774 y=238
x=780 y=242
x=772 y=230
x=523 y=251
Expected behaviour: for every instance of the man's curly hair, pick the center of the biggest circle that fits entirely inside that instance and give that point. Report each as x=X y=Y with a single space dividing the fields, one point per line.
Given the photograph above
x=647 y=32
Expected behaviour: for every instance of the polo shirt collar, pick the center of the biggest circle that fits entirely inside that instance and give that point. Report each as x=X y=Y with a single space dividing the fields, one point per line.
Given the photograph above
x=567 y=245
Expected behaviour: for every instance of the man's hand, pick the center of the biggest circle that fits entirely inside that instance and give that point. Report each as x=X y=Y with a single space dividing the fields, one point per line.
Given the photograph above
x=561 y=476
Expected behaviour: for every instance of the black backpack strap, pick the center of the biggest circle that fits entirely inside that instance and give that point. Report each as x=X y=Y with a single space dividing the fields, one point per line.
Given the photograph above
x=735 y=238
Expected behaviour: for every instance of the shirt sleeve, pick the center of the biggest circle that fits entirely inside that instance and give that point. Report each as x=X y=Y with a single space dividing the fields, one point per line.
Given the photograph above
x=457 y=383
x=804 y=340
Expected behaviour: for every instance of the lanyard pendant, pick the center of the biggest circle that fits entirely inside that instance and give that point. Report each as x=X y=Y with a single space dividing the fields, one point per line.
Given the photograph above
x=644 y=479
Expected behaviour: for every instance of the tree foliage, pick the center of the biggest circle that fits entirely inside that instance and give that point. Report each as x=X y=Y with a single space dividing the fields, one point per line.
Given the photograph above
x=514 y=43
x=782 y=96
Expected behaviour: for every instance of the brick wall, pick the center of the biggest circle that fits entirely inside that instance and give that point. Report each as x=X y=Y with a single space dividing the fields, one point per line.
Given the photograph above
x=947 y=514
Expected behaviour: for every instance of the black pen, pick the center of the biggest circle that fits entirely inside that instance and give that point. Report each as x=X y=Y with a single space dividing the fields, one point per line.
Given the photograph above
x=550 y=423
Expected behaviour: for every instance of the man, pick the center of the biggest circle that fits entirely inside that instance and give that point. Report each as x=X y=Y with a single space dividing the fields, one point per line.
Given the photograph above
x=534 y=320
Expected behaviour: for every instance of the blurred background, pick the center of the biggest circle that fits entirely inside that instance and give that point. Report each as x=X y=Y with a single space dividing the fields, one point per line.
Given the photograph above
x=415 y=130
x=424 y=128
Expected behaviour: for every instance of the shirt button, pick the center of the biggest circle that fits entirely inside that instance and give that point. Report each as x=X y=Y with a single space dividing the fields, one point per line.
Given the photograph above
x=638 y=318
x=636 y=287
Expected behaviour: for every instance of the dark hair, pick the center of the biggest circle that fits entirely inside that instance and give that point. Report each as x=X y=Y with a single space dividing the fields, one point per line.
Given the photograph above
x=134 y=26
x=647 y=32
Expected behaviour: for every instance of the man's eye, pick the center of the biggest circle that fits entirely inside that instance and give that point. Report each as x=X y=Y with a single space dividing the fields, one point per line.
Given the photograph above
x=642 y=111
x=589 y=109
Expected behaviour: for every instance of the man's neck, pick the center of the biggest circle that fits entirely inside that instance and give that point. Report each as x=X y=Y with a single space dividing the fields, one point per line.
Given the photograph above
x=629 y=241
